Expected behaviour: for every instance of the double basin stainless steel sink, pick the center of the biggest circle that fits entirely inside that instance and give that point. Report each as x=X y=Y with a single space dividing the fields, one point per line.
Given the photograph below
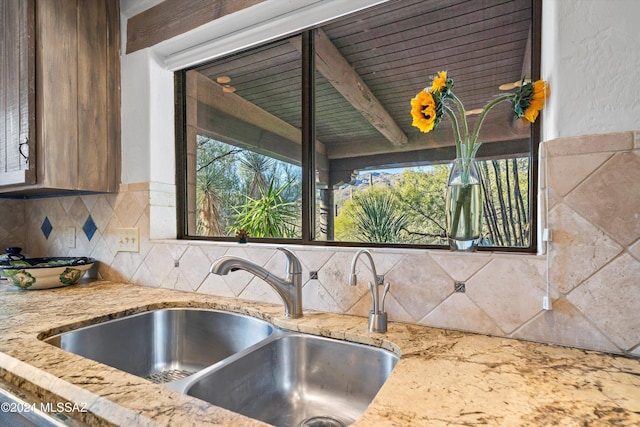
x=240 y=363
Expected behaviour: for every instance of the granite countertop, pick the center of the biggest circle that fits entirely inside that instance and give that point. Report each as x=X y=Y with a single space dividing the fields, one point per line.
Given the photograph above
x=442 y=378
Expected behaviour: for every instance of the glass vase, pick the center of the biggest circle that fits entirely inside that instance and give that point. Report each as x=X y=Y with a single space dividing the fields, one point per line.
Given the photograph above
x=464 y=205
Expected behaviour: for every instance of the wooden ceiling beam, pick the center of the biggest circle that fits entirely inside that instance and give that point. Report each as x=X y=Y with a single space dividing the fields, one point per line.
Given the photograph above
x=336 y=69
x=439 y=138
x=343 y=170
x=212 y=94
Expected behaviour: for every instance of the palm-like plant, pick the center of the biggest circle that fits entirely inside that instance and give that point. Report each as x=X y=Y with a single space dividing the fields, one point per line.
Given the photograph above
x=258 y=166
x=216 y=185
x=377 y=217
x=269 y=215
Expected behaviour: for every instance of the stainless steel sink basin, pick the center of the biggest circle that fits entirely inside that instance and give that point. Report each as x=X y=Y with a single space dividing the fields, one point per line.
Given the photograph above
x=247 y=365
x=165 y=345
x=298 y=380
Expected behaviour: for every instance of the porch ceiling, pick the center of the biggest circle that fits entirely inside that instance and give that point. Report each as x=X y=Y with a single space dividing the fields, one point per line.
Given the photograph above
x=372 y=63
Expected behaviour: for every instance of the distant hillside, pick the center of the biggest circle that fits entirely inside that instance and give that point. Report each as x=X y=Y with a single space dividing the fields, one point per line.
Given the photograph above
x=364 y=181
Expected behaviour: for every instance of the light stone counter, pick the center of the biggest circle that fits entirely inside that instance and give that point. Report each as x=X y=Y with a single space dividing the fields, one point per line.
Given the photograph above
x=443 y=377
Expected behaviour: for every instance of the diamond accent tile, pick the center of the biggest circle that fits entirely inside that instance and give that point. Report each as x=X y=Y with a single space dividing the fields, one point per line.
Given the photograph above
x=89 y=228
x=46 y=227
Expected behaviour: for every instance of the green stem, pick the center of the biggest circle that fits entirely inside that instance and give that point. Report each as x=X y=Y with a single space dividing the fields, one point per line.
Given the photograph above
x=462 y=212
x=463 y=114
x=456 y=129
x=485 y=110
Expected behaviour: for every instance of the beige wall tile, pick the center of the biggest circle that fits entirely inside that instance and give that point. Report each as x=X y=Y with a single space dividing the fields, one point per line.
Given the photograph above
x=316 y=297
x=611 y=300
x=565 y=325
x=610 y=198
x=419 y=284
x=258 y=290
x=612 y=142
x=460 y=268
x=215 y=285
x=194 y=266
x=578 y=249
x=593 y=278
x=510 y=291
x=395 y=311
x=160 y=262
x=459 y=312
x=334 y=277
x=566 y=172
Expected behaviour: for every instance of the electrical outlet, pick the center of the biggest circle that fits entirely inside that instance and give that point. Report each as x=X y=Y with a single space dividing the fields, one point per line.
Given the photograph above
x=128 y=239
x=70 y=237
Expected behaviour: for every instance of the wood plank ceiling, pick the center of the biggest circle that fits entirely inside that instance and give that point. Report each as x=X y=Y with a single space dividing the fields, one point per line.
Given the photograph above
x=372 y=63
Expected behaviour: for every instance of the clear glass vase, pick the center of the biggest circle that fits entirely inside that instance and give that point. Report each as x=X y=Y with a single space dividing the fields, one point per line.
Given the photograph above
x=464 y=205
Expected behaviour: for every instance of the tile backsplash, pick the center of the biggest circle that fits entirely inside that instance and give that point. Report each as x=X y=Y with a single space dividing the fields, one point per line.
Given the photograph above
x=592 y=185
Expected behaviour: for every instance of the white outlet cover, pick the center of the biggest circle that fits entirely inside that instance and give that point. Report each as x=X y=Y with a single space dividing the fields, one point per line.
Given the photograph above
x=71 y=237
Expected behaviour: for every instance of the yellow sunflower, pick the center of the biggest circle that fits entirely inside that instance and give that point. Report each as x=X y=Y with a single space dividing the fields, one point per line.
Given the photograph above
x=423 y=111
x=530 y=100
x=439 y=82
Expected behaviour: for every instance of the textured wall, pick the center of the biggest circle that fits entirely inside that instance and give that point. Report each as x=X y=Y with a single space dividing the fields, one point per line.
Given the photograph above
x=585 y=45
x=594 y=215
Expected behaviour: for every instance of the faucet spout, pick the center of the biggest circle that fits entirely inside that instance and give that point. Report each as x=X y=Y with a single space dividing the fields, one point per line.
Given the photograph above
x=377 y=316
x=353 y=278
x=288 y=288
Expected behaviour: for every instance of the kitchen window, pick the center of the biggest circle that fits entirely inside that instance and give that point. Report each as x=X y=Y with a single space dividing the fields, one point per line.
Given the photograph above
x=308 y=139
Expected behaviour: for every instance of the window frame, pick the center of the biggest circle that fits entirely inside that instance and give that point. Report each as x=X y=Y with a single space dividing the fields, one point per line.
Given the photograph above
x=308 y=157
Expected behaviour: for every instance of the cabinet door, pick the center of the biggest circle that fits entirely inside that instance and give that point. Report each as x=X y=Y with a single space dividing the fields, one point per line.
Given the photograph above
x=77 y=81
x=17 y=92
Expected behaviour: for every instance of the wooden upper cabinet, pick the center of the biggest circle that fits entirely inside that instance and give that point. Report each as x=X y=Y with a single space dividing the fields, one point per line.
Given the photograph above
x=76 y=97
x=17 y=92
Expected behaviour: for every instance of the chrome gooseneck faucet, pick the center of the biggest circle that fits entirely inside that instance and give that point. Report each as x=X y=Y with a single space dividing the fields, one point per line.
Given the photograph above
x=377 y=316
x=289 y=288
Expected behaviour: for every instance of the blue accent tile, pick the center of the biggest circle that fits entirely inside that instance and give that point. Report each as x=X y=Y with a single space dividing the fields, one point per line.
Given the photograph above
x=89 y=227
x=46 y=227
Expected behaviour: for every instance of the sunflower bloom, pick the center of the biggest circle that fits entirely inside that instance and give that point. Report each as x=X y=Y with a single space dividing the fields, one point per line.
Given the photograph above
x=439 y=82
x=530 y=99
x=423 y=111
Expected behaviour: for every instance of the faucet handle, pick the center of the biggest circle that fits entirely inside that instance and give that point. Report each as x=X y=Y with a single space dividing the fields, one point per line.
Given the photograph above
x=293 y=263
x=384 y=295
